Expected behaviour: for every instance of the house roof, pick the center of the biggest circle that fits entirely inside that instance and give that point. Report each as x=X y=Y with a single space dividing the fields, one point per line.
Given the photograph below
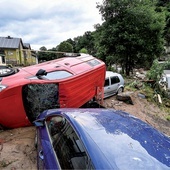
x=27 y=46
x=10 y=42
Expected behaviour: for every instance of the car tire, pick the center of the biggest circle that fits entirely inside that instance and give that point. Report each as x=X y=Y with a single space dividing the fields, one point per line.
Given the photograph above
x=120 y=90
x=10 y=72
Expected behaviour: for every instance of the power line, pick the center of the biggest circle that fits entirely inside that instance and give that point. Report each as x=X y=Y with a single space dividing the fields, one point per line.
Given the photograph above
x=47 y=51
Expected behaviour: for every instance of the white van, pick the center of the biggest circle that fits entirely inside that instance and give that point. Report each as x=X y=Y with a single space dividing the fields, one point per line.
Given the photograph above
x=114 y=83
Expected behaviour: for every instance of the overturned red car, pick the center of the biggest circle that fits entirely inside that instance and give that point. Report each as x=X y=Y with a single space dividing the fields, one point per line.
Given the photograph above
x=68 y=82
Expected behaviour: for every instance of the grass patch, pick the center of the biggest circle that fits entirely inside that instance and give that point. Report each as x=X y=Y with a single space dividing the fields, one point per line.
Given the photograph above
x=150 y=93
x=168 y=118
x=136 y=85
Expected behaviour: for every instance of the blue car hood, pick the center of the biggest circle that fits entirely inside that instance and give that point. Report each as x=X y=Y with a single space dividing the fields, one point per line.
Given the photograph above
x=125 y=141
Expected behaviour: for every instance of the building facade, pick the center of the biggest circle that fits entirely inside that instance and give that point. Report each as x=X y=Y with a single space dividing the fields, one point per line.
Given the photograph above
x=14 y=52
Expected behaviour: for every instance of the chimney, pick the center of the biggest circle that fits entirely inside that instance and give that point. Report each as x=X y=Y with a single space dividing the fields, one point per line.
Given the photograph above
x=8 y=37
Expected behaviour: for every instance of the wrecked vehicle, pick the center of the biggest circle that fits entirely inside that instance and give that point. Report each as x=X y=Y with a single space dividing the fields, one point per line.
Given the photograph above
x=62 y=83
x=164 y=83
x=99 y=139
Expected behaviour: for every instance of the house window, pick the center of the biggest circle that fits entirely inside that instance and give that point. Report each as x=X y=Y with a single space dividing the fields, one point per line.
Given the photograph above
x=10 y=53
x=3 y=59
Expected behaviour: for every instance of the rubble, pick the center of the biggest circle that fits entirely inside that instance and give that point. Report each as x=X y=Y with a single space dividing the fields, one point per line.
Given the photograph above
x=125 y=97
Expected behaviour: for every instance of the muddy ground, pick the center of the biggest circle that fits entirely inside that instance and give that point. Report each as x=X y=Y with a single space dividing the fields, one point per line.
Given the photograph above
x=17 y=149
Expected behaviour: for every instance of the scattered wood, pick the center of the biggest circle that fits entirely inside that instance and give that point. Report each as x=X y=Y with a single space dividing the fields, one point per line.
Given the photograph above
x=159 y=99
x=138 y=86
x=167 y=104
x=152 y=82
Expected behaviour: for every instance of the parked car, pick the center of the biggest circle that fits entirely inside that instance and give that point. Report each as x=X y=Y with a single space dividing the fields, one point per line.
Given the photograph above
x=99 y=139
x=62 y=83
x=114 y=83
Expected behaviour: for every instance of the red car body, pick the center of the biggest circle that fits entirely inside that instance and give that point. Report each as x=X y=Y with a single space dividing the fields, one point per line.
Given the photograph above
x=68 y=82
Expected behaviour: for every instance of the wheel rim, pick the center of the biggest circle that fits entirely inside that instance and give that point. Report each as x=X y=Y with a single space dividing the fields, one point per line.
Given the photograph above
x=120 y=90
x=6 y=72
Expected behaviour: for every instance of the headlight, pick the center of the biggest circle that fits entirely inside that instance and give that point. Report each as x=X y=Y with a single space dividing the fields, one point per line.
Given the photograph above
x=2 y=87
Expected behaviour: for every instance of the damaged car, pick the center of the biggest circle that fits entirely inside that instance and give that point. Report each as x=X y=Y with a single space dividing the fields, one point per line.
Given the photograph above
x=99 y=139
x=66 y=82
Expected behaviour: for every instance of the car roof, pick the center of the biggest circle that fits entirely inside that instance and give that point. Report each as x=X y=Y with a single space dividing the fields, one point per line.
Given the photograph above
x=118 y=139
x=110 y=73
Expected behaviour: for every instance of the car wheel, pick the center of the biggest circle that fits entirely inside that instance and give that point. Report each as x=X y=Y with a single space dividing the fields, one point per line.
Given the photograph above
x=6 y=72
x=120 y=90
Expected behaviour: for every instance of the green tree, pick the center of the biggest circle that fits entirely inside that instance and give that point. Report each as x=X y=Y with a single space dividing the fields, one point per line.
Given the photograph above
x=131 y=32
x=83 y=50
x=64 y=47
x=155 y=71
x=86 y=41
x=42 y=55
x=52 y=53
x=72 y=42
x=164 y=5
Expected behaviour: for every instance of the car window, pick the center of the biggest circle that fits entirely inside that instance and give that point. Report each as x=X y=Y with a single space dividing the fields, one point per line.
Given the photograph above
x=93 y=62
x=106 y=82
x=59 y=74
x=115 y=80
x=68 y=147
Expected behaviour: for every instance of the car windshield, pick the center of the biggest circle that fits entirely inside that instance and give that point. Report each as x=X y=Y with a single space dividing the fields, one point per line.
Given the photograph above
x=39 y=97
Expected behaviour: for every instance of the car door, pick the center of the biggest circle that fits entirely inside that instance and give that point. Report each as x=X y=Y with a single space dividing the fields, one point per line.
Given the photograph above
x=107 y=89
x=114 y=85
x=45 y=155
x=111 y=85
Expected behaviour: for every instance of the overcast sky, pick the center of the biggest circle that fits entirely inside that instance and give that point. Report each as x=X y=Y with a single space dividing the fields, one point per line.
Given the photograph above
x=47 y=22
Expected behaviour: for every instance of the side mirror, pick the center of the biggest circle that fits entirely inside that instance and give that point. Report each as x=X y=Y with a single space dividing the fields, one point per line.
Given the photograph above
x=41 y=72
x=39 y=122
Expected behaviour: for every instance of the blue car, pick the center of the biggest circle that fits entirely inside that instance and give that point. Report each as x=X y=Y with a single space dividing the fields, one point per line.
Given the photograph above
x=98 y=138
